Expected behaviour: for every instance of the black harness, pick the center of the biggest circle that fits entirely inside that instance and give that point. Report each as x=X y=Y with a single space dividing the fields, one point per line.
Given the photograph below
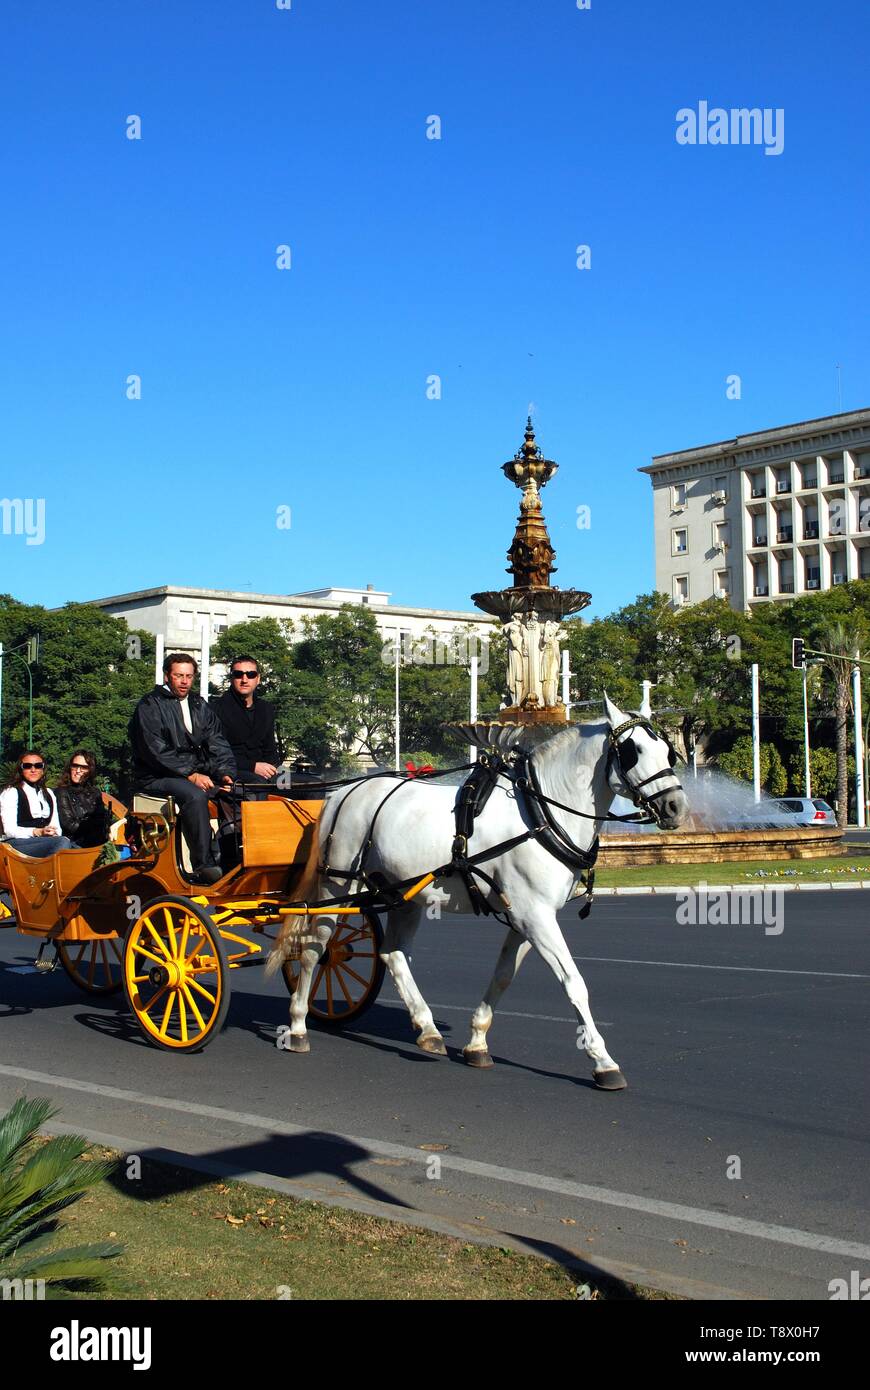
x=518 y=768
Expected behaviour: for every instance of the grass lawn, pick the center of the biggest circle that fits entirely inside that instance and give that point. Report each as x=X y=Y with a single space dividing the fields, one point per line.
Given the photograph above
x=188 y=1236
x=840 y=869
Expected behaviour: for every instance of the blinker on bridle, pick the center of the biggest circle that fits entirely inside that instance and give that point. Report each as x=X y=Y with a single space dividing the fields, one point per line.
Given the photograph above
x=627 y=754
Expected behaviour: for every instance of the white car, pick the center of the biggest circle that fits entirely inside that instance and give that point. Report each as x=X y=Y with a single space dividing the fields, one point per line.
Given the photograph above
x=804 y=810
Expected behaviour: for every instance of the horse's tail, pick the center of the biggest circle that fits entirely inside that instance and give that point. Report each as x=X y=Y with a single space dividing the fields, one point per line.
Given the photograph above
x=294 y=927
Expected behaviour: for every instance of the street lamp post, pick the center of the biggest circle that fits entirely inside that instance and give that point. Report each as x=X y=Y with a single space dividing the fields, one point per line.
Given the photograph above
x=398 y=733
x=26 y=665
x=756 y=751
x=866 y=759
x=472 y=704
x=859 y=752
x=807 y=791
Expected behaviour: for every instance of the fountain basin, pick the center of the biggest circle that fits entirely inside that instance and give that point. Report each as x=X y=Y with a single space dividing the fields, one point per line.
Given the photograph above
x=627 y=849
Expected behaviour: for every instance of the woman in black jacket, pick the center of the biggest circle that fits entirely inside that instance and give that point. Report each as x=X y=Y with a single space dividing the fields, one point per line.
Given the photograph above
x=83 y=813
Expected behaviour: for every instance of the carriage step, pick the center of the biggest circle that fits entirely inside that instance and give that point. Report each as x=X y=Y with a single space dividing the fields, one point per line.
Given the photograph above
x=43 y=963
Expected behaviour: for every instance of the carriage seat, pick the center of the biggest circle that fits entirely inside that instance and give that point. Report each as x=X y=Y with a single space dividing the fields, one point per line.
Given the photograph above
x=165 y=806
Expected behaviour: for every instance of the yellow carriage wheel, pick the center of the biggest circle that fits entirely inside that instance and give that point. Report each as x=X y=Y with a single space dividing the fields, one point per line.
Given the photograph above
x=348 y=977
x=96 y=966
x=176 y=974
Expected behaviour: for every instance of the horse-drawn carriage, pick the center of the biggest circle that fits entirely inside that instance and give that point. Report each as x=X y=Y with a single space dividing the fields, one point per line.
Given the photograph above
x=140 y=924
x=510 y=843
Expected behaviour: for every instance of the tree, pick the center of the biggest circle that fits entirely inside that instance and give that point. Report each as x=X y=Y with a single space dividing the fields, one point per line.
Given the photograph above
x=704 y=672
x=823 y=773
x=737 y=762
x=841 y=639
x=434 y=690
x=91 y=671
x=328 y=679
x=344 y=658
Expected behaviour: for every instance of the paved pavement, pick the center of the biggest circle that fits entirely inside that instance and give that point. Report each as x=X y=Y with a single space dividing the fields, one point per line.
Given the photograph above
x=853 y=836
x=744 y=1051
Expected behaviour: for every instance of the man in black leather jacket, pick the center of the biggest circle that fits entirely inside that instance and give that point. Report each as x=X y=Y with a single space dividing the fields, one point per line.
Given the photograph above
x=180 y=751
x=248 y=722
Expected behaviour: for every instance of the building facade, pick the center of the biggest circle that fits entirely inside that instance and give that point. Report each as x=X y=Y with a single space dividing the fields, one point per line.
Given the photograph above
x=764 y=516
x=181 y=616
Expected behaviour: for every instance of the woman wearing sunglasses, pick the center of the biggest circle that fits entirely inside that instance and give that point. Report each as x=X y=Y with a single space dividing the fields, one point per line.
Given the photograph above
x=80 y=804
x=28 y=810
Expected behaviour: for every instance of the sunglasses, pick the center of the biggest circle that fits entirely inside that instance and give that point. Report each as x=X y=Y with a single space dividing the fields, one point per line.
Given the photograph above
x=244 y=675
x=79 y=767
x=29 y=765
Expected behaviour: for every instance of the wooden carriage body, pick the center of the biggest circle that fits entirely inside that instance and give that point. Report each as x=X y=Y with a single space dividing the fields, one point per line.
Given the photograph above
x=142 y=923
x=70 y=896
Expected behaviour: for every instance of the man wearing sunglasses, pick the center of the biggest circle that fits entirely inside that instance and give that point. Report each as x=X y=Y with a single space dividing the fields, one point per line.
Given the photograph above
x=248 y=723
x=28 y=810
x=180 y=751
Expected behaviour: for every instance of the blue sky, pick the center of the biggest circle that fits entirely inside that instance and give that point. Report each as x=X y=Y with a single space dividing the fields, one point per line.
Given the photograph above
x=306 y=388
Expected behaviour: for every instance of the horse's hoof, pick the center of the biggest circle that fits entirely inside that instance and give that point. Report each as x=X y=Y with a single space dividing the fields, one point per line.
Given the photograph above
x=299 y=1042
x=433 y=1043
x=610 y=1080
x=478 y=1057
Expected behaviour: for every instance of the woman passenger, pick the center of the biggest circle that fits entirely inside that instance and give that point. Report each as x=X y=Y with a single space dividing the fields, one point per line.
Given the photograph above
x=28 y=810
x=80 y=804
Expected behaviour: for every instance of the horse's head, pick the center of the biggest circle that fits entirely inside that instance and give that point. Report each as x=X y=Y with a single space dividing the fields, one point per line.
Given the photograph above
x=641 y=765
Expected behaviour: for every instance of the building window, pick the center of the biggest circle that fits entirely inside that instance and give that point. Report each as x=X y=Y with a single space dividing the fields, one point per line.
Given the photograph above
x=722 y=587
x=681 y=588
x=720 y=535
x=678 y=495
x=679 y=541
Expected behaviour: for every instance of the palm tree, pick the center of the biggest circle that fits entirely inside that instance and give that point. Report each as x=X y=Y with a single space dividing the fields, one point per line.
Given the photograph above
x=36 y=1183
x=841 y=641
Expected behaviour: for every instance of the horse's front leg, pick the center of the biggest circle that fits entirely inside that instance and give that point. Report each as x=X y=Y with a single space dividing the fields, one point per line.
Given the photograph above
x=312 y=948
x=546 y=936
x=402 y=924
x=513 y=952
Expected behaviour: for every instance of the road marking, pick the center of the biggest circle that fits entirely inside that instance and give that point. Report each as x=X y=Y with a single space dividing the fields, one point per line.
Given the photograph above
x=750 y=969
x=673 y=1211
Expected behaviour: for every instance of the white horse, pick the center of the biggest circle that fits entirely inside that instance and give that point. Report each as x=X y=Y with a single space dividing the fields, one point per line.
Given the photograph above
x=583 y=767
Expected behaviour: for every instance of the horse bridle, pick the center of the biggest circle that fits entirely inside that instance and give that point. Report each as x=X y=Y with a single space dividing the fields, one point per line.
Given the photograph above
x=625 y=754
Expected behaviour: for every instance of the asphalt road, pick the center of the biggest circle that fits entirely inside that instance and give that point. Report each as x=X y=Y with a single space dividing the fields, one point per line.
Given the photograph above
x=743 y=1050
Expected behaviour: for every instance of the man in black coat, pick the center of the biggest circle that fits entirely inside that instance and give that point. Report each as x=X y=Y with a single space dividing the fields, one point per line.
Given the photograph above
x=180 y=751
x=248 y=723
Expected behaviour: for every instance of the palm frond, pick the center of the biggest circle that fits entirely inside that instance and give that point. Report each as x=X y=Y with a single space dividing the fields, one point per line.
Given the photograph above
x=35 y=1188
x=19 y=1125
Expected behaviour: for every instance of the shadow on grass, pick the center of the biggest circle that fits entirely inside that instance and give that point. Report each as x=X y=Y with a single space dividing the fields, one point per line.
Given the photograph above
x=318 y=1153
x=292 y=1157
x=578 y=1269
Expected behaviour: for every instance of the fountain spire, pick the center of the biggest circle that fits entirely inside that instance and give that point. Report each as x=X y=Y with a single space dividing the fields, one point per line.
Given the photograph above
x=531 y=554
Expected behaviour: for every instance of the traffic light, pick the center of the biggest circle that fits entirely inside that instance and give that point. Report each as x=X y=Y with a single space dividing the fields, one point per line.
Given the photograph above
x=797 y=652
x=31 y=655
